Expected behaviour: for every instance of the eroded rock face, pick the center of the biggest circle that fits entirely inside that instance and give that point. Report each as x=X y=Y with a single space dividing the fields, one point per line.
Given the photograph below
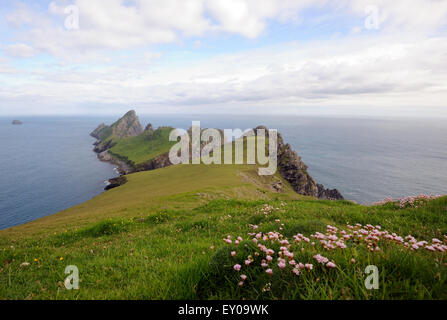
x=292 y=169
x=128 y=126
x=97 y=131
x=328 y=194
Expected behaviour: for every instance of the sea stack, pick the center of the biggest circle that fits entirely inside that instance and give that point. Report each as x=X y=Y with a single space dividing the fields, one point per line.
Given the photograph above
x=17 y=122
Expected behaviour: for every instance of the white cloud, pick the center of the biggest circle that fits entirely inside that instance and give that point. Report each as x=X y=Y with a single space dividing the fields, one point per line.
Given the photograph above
x=403 y=64
x=20 y=50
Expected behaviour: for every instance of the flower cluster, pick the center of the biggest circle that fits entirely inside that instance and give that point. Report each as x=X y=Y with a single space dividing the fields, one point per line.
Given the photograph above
x=372 y=236
x=284 y=260
x=410 y=202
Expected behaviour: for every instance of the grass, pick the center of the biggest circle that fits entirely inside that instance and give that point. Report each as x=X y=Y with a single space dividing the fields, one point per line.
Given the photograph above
x=151 y=239
x=144 y=147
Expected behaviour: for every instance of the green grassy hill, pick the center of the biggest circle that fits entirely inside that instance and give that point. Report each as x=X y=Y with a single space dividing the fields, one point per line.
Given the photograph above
x=144 y=147
x=161 y=236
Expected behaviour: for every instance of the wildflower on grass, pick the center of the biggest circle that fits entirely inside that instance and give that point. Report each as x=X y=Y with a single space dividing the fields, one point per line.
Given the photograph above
x=331 y=265
x=321 y=259
x=309 y=266
x=247 y=262
x=296 y=272
x=233 y=253
x=269 y=272
x=241 y=283
x=237 y=267
x=61 y=258
x=282 y=265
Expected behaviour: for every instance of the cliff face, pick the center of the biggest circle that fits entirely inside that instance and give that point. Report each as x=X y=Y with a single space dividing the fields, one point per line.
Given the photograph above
x=128 y=126
x=292 y=169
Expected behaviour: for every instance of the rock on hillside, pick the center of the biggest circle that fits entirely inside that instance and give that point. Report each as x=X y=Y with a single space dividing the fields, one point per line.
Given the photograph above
x=293 y=169
x=128 y=126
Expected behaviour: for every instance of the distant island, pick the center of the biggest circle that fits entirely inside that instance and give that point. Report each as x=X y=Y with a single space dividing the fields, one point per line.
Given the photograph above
x=17 y=122
x=125 y=143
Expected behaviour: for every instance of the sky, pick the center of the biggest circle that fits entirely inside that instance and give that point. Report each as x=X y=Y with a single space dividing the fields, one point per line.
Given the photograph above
x=317 y=57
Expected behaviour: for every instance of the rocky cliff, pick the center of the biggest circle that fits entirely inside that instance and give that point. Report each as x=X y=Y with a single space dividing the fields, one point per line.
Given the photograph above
x=128 y=126
x=292 y=169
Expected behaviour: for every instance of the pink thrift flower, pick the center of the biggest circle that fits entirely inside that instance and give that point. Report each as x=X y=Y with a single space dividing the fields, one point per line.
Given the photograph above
x=269 y=272
x=243 y=277
x=233 y=253
x=296 y=272
x=309 y=266
x=331 y=265
x=237 y=267
x=247 y=262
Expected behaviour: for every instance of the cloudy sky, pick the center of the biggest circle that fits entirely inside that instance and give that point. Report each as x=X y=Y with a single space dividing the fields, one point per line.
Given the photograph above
x=375 y=57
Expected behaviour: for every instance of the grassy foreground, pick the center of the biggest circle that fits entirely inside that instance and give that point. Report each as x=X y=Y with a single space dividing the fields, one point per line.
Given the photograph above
x=160 y=236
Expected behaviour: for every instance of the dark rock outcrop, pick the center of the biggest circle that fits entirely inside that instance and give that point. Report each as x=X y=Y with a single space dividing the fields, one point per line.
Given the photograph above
x=292 y=169
x=156 y=163
x=328 y=194
x=149 y=128
x=116 y=182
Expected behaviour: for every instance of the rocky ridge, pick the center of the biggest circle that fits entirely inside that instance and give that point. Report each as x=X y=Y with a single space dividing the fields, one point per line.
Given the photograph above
x=290 y=164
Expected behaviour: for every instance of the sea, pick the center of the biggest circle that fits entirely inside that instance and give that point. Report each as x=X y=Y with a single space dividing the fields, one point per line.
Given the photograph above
x=47 y=164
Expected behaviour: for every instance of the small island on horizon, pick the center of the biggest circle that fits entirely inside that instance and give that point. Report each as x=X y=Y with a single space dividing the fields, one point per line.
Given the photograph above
x=17 y=122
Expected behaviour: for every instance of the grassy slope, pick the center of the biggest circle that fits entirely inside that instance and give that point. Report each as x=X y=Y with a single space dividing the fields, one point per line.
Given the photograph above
x=151 y=238
x=144 y=147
